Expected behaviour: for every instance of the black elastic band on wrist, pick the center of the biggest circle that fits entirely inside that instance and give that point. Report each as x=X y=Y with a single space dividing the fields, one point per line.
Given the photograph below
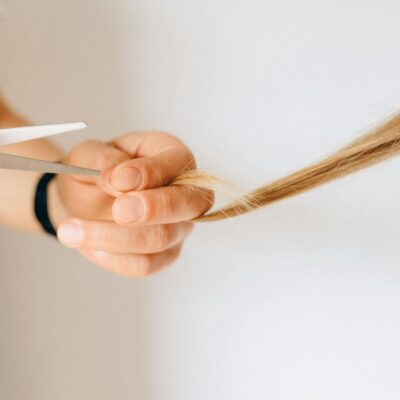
x=41 y=204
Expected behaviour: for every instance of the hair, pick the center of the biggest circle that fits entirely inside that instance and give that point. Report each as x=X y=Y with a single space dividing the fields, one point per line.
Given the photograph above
x=373 y=147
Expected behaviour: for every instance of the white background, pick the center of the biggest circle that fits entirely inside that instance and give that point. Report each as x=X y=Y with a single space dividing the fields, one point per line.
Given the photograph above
x=298 y=301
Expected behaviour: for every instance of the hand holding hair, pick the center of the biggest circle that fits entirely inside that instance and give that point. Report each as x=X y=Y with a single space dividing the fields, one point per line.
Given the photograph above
x=135 y=217
x=129 y=220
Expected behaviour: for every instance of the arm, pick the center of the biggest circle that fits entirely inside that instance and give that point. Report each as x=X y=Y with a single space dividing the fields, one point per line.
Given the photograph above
x=129 y=220
x=16 y=187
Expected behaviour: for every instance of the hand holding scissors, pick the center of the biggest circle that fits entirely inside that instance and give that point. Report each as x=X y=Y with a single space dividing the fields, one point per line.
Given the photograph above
x=119 y=211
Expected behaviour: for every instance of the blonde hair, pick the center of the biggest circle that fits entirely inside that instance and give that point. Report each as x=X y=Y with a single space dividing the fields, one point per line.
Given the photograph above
x=377 y=145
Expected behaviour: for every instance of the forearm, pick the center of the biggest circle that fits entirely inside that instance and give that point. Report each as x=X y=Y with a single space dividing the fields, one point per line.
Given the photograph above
x=17 y=188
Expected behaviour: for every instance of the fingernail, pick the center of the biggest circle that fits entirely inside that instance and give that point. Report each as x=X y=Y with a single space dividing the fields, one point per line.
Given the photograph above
x=129 y=209
x=128 y=178
x=70 y=233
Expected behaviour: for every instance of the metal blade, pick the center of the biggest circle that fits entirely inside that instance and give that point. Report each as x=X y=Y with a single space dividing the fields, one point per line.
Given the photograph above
x=16 y=135
x=9 y=161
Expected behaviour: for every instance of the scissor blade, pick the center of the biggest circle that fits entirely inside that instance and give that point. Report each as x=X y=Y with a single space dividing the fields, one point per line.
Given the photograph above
x=16 y=135
x=9 y=161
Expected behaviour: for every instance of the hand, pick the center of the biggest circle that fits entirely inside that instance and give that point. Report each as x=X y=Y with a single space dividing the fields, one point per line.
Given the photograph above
x=128 y=221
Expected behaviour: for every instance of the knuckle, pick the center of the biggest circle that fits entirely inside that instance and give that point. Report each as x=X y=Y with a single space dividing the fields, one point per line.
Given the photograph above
x=157 y=207
x=166 y=203
x=190 y=161
x=173 y=254
x=170 y=141
x=188 y=227
x=79 y=148
x=165 y=140
x=163 y=236
x=143 y=266
x=97 y=236
x=149 y=207
x=176 y=254
x=101 y=237
x=167 y=136
x=109 y=157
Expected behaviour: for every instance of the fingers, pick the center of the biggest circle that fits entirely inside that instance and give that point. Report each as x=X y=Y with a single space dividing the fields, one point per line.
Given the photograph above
x=158 y=159
x=166 y=205
x=146 y=144
x=96 y=155
x=132 y=265
x=128 y=251
x=81 y=195
x=113 y=238
x=150 y=218
x=151 y=172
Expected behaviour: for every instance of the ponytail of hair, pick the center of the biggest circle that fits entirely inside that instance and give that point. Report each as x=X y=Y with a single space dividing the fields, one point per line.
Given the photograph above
x=375 y=146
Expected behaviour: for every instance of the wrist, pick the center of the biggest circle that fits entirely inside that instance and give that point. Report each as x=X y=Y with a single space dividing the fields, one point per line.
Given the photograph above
x=57 y=211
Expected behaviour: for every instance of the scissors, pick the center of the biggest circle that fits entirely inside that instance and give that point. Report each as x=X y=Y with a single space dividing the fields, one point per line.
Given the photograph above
x=22 y=134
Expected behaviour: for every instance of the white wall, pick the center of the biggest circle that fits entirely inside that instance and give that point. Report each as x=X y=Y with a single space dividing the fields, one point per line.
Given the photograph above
x=297 y=301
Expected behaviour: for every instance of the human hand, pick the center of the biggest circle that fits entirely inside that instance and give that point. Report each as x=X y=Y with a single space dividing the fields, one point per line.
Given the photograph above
x=128 y=221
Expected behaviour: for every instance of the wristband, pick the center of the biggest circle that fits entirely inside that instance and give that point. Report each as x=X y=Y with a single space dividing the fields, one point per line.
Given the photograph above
x=41 y=204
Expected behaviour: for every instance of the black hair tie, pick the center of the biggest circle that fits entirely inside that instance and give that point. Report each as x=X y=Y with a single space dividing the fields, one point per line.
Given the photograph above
x=41 y=204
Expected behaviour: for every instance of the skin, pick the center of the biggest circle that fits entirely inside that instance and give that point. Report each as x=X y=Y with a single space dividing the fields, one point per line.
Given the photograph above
x=127 y=221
